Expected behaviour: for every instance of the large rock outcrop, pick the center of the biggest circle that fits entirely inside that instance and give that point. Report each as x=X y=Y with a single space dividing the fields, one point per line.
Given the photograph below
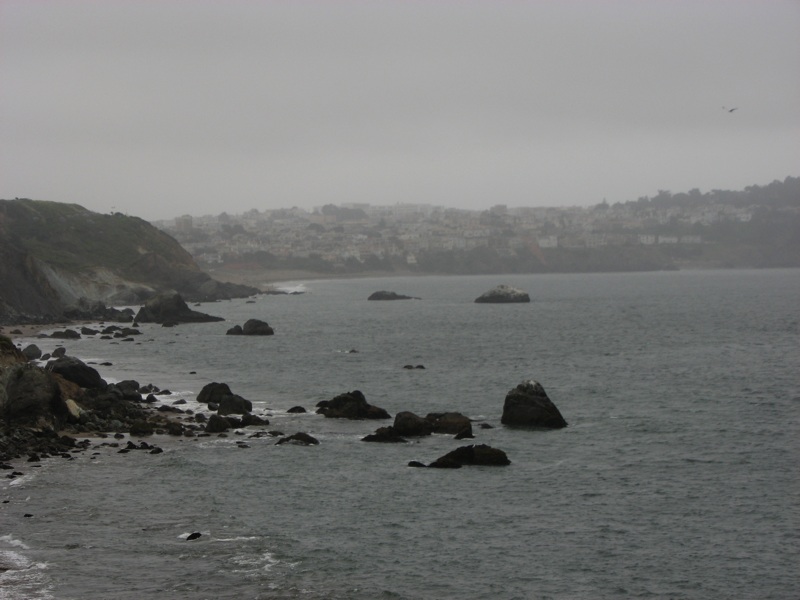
x=170 y=308
x=503 y=294
x=528 y=405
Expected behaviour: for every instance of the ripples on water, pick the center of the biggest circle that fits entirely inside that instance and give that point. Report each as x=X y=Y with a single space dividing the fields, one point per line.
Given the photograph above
x=677 y=477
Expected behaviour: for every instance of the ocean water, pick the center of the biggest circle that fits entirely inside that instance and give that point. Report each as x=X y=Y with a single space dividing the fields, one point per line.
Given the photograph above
x=676 y=478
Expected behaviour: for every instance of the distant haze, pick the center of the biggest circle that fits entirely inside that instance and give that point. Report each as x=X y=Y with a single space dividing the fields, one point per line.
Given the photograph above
x=157 y=109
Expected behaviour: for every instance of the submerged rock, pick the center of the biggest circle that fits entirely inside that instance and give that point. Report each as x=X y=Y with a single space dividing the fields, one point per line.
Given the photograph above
x=528 y=405
x=503 y=294
x=299 y=438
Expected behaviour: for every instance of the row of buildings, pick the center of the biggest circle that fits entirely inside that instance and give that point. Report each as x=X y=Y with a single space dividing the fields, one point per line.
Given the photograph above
x=361 y=232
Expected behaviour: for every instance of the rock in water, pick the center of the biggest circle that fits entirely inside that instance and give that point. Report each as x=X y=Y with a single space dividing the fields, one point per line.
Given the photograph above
x=503 y=294
x=407 y=423
x=385 y=435
x=300 y=438
x=449 y=422
x=256 y=327
x=472 y=455
x=528 y=405
x=350 y=405
x=383 y=295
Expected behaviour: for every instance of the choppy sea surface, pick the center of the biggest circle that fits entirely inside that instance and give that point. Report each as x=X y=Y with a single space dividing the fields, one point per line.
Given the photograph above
x=677 y=476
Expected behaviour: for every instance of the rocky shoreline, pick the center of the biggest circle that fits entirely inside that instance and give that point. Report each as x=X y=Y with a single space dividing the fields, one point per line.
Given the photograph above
x=48 y=401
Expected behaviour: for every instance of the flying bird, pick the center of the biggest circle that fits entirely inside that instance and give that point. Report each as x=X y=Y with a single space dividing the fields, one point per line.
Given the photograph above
x=730 y=110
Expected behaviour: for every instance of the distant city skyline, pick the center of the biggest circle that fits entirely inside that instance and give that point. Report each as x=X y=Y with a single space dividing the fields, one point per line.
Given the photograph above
x=169 y=108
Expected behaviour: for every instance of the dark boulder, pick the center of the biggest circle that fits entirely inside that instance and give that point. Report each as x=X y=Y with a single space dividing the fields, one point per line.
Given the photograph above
x=465 y=434
x=256 y=327
x=32 y=352
x=407 y=423
x=233 y=404
x=503 y=294
x=449 y=422
x=170 y=308
x=384 y=435
x=351 y=405
x=300 y=439
x=296 y=410
x=213 y=392
x=75 y=370
x=383 y=295
x=30 y=396
x=528 y=405
x=472 y=455
x=235 y=330
x=217 y=424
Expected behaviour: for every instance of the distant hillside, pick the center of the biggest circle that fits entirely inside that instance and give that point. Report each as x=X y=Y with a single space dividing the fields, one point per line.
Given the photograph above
x=52 y=255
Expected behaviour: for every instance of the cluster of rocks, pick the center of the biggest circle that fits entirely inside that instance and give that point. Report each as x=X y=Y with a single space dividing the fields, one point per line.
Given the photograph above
x=498 y=295
x=251 y=327
x=67 y=395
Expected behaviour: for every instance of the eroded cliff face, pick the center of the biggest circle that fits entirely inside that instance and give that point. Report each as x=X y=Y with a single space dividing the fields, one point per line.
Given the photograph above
x=53 y=255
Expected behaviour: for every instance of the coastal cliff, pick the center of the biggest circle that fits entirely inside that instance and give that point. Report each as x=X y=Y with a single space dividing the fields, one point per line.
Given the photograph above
x=54 y=256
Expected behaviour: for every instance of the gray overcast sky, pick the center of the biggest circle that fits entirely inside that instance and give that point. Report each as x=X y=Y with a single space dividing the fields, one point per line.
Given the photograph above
x=160 y=108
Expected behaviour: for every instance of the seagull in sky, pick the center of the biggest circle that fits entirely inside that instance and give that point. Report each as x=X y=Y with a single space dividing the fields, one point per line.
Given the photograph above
x=730 y=110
